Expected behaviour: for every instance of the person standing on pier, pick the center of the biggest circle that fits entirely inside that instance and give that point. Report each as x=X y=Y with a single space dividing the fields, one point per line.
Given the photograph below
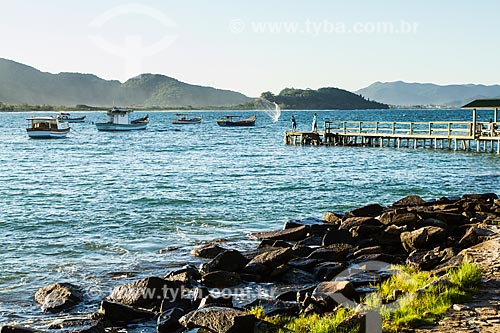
x=315 y=123
x=294 y=124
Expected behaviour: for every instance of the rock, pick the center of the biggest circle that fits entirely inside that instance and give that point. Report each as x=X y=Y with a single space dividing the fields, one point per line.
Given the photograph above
x=58 y=297
x=430 y=222
x=301 y=250
x=411 y=200
x=334 y=252
x=328 y=270
x=118 y=313
x=187 y=276
x=269 y=260
x=146 y=293
x=314 y=240
x=221 y=279
x=367 y=250
x=208 y=251
x=168 y=321
x=427 y=260
x=328 y=294
x=331 y=217
x=219 y=320
x=304 y=263
x=399 y=219
x=224 y=301
x=17 y=329
x=353 y=222
x=363 y=231
x=274 y=307
x=382 y=257
x=230 y=260
x=450 y=218
x=474 y=235
x=295 y=276
x=484 y=196
x=336 y=237
x=370 y=210
x=292 y=234
x=273 y=243
x=78 y=325
x=426 y=237
x=278 y=271
x=321 y=229
x=288 y=296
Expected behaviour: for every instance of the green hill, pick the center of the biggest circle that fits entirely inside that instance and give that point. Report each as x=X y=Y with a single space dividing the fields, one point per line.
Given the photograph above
x=408 y=94
x=321 y=99
x=24 y=84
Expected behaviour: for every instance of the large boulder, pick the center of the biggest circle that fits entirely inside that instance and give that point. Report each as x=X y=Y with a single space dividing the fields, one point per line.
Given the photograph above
x=208 y=251
x=474 y=235
x=427 y=260
x=398 y=218
x=408 y=201
x=334 y=252
x=17 y=329
x=168 y=321
x=331 y=293
x=273 y=307
x=295 y=276
x=337 y=236
x=187 y=276
x=219 y=320
x=118 y=313
x=423 y=238
x=230 y=260
x=58 y=297
x=221 y=279
x=147 y=293
x=269 y=260
x=78 y=325
x=332 y=217
x=291 y=234
x=353 y=222
x=370 y=210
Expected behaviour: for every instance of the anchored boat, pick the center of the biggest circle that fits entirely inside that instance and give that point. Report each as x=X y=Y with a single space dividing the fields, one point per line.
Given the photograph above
x=228 y=121
x=64 y=116
x=47 y=128
x=119 y=120
x=183 y=119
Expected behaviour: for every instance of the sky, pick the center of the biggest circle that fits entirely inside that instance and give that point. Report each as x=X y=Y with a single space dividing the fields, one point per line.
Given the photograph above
x=259 y=45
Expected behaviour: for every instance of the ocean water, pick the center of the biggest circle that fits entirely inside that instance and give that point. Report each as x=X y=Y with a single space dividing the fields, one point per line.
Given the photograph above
x=96 y=206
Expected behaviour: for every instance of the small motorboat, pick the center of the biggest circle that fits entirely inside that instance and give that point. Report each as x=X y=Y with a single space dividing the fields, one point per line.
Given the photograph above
x=119 y=120
x=228 y=121
x=64 y=116
x=47 y=128
x=183 y=119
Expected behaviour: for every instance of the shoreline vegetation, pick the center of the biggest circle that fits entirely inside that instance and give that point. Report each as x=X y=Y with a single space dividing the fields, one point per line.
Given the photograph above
x=407 y=263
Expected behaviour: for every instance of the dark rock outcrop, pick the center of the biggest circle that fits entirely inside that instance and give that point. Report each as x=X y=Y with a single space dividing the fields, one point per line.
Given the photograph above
x=168 y=321
x=221 y=279
x=58 y=297
x=219 y=320
x=121 y=314
x=423 y=238
x=291 y=234
x=230 y=260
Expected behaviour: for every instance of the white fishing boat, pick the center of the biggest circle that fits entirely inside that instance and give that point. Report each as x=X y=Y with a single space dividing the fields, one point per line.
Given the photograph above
x=119 y=120
x=47 y=128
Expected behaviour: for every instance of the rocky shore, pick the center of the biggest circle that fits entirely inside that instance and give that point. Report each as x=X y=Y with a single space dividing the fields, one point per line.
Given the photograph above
x=316 y=264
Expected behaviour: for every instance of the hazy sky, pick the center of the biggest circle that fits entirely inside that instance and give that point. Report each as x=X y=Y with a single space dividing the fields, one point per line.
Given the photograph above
x=259 y=45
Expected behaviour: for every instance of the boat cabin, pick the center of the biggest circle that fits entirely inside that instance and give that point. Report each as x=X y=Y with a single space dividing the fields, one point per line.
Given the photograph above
x=119 y=116
x=43 y=123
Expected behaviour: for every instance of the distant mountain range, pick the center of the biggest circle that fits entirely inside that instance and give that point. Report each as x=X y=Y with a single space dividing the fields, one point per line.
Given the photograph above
x=24 y=84
x=321 y=99
x=410 y=94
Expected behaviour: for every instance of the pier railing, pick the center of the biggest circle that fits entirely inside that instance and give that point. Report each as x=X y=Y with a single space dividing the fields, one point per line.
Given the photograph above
x=437 y=128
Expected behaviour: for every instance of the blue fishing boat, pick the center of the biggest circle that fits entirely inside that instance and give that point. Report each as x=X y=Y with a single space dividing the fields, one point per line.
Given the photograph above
x=119 y=120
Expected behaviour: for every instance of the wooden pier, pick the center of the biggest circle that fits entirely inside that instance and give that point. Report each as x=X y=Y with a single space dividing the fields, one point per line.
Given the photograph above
x=452 y=135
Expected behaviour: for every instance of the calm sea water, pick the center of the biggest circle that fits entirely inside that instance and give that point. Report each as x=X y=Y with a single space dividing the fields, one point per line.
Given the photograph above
x=95 y=205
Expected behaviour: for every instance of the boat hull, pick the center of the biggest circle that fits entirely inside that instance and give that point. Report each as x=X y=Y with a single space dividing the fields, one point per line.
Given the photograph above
x=186 y=122
x=241 y=123
x=44 y=134
x=75 y=120
x=110 y=127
